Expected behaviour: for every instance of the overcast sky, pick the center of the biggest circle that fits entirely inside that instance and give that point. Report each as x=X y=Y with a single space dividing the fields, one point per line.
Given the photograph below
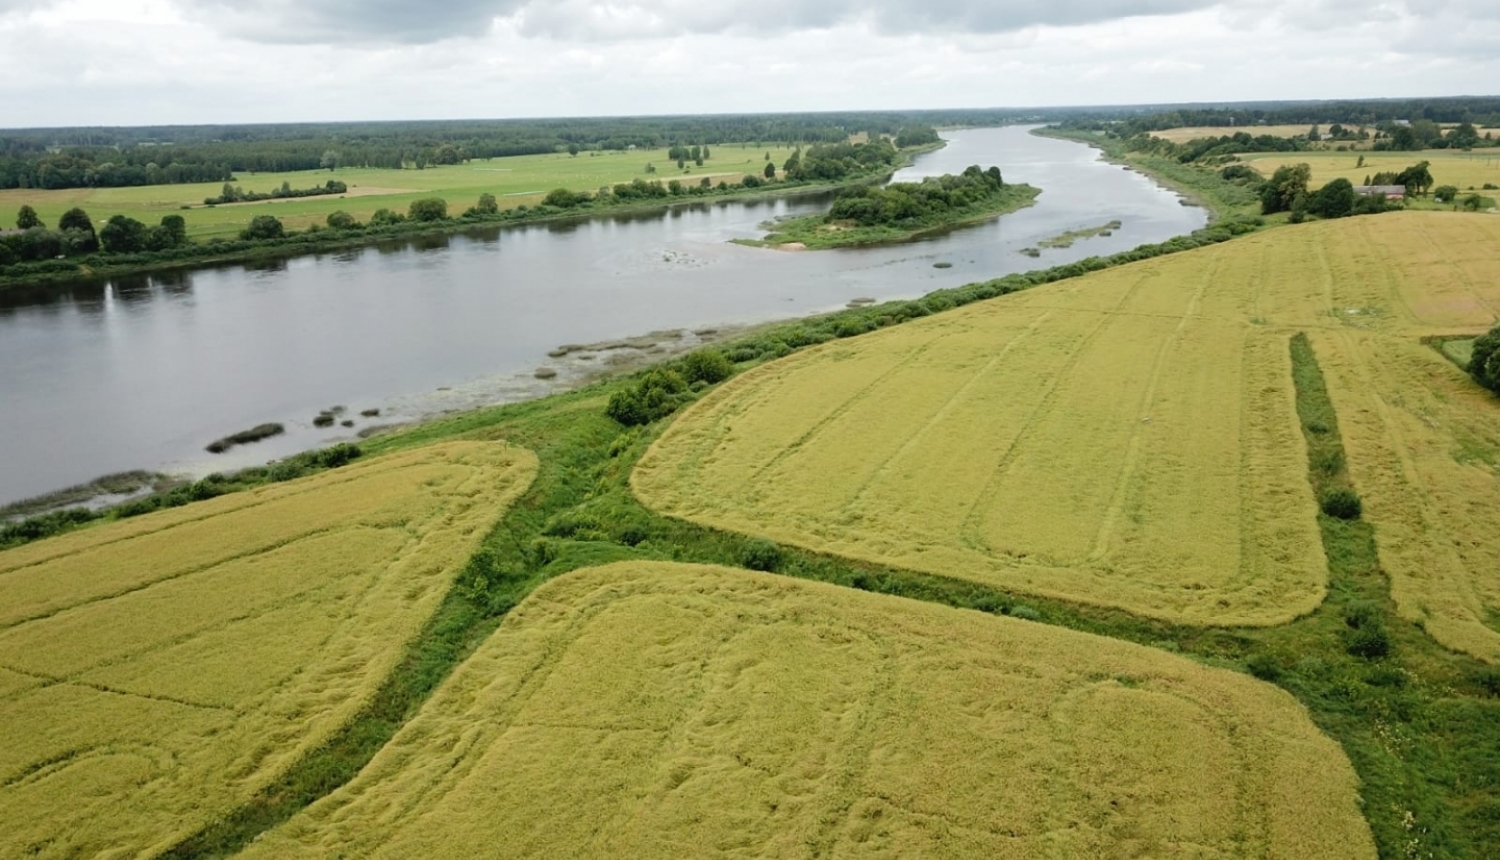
x=137 y=62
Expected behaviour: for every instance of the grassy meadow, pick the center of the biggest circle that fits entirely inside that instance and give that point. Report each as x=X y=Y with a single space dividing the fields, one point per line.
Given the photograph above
x=515 y=181
x=1465 y=170
x=157 y=672
x=685 y=711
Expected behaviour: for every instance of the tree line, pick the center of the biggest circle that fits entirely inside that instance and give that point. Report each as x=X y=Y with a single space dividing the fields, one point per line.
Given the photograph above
x=908 y=204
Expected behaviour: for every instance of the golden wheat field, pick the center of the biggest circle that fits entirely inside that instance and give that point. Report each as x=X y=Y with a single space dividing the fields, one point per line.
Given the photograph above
x=1187 y=133
x=1464 y=170
x=1129 y=439
x=648 y=709
x=156 y=672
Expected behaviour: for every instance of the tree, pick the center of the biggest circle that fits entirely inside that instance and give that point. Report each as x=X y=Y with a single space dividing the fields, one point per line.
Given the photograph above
x=122 y=235
x=573 y=149
x=176 y=229
x=330 y=160
x=770 y=169
x=27 y=218
x=488 y=205
x=1484 y=361
x=341 y=220
x=650 y=168
x=1445 y=193
x=1334 y=200
x=428 y=209
x=1313 y=134
x=1288 y=183
x=1416 y=178
x=263 y=227
x=75 y=219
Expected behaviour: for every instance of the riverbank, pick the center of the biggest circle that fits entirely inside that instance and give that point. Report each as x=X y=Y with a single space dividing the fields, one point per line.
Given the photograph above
x=38 y=278
x=1198 y=186
x=818 y=232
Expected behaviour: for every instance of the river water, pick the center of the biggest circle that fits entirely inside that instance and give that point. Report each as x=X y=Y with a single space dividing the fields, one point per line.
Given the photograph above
x=142 y=373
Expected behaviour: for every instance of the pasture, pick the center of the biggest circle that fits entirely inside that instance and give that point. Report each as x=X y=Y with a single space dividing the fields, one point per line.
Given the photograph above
x=1462 y=169
x=1129 y=440
x=650 y=709
x=515 y=181
x=156 y=672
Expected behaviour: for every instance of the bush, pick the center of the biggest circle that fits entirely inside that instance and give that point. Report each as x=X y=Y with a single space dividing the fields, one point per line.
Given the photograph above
x=1264 y=667
x=656 y=395
x=1445 y=193
x=428 y=209
x=706 y=365
x=1370 y=642
x=1342 y=503
x=1484 y=363
x=263 y=227
x=760 y=554
x=342 y=220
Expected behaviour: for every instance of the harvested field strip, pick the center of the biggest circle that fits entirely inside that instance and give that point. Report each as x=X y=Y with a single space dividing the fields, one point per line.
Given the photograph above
x=701 y=711
x=167 y=688
x=1054 y=442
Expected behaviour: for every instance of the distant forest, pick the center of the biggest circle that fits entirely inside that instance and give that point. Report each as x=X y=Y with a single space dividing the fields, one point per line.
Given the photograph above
x=111 y=157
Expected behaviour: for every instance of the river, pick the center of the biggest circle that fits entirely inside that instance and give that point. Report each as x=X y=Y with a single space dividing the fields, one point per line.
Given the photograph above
x=142 y=373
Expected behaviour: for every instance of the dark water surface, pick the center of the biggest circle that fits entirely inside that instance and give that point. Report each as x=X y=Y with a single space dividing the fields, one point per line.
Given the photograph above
x=142 y=373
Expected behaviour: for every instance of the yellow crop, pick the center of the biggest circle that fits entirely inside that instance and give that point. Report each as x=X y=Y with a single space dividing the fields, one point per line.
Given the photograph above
x=1129 y=439
x=1463 y=170
x=155 y=673
x=649 y=710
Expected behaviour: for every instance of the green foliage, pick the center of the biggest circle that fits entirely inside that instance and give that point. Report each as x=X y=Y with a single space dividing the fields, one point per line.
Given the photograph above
x=1445 y=193
x=122 y=235
x=1341 y=502
x=75 y=219
x=487 y=205
x=428 y=209
x=385 y=217
x=1284 y=188
x=705 y=365
x=26 y=218
x=1484 y=361
x=917 y=135
x=760 y=554
x=1334 y=200
x=342 y=220
x=657 y=393
x=263 y=227
x=236 y=194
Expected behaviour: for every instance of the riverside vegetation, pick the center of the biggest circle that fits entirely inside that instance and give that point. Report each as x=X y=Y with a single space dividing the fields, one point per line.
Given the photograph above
x=34 y=254
x=865 y=215
x=1417 y=721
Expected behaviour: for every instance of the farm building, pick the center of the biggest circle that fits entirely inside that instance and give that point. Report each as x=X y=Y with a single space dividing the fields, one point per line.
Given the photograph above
x=1389 y=192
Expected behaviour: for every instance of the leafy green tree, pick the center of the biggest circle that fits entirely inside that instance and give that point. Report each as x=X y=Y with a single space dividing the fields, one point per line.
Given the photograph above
x=1484 y=362
x=385 y=216
x=1416 y=178
x=342 y=220
x=1288 y=183
x=122 y=235
x=488 y=205
x=1334 y=200
x=263 y=227
x=1445 y=193
x=428 y=209
x=26 y=218
x=176 y=229
x=770 y=170
x=573 y=149
x=329 y=161
x=75 y=219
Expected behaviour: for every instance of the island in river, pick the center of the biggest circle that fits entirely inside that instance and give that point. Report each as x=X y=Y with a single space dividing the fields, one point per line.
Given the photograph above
x=867 y=215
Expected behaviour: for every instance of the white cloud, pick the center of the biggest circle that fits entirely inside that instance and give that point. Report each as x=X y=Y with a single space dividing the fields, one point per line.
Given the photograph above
x=83 y=62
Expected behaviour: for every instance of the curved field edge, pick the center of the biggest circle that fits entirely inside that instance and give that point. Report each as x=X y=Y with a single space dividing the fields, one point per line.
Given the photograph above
x=1419 y=724
x=1119 y=441
x=721 y=711
x=160 y=672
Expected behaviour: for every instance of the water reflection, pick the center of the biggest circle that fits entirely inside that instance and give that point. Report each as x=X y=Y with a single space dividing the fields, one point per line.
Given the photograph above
x=142 y=372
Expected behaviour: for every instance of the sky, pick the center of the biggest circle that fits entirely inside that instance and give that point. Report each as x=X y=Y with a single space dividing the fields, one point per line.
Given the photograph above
x=147 y=62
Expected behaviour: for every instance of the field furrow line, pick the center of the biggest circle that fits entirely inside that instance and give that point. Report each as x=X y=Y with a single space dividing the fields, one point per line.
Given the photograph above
x=969 y=531
x=916 y=439
x=1131 y=461
x=1462 y=276
x=844 y=408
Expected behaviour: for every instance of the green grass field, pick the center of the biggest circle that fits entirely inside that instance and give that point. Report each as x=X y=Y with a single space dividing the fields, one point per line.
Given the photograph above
x=515 y=181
